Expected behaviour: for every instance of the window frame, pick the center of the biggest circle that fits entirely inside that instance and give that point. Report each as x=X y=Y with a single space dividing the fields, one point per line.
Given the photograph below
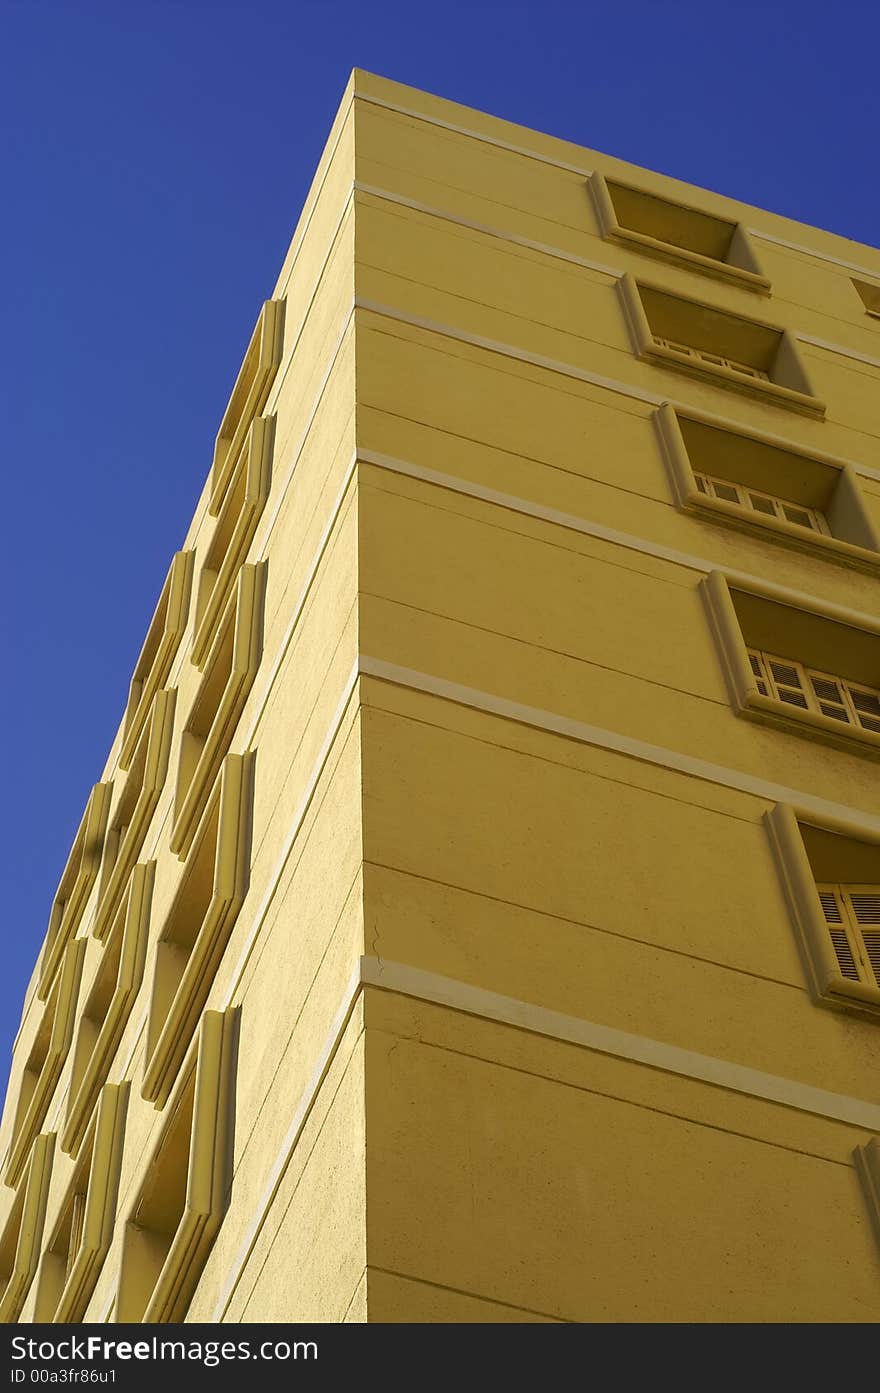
x=156 y=736
x=262 y=359
x=255 y=467
x=165 y=631
x=168 y=1039
x=29 y=1116
x=25 y=1221
x=649 y=350
x=209 y=1071
x=867 y=1164
x=742 y=682
x=827 y=983
x=98 y=1167
x=75 y=885
x=614 y=230
x=130 y=928
x=688 y=497
x=244 y=615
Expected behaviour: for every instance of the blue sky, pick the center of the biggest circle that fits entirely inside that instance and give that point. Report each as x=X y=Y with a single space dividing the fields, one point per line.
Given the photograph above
x=153 y=164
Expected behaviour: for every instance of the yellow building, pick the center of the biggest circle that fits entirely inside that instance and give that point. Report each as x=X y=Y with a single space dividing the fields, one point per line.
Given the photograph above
x=478 y=915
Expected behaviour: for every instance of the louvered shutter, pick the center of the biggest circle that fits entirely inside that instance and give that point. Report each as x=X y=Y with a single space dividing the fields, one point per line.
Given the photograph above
x=865 y=905
x=830 y=697
x=867 y=707
x=787 y=681
x=835 y=922
x=757 y=665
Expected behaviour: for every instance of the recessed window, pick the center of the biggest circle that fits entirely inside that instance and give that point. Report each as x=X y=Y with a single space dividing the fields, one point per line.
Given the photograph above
x=108 y=1004
x=131 y=815
x=261 y=362
x=718 y=346
x=677 y=232
x=45 y=1060
x=81 y=1238
x=233 y=532
x=153 y=665
x=228 y=676
x=758 y=483
x=23 y=1231
x=76 y=884
x=869 y=295
x=832 y=877
x=812 y=669
x=183 y=1195
x=197 y=929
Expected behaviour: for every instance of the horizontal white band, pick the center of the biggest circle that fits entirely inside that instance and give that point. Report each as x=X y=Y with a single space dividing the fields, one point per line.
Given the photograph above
x=537 y=1020
x=585 y=172
x=540 y=1020
x=557 y=365
x=550 y=721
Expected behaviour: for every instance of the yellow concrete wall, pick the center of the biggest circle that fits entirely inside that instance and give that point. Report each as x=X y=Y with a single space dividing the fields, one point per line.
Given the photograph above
x=298 y=934
x=627 y=896
x=557 y=1184
x=502 y=802
x=520 y=538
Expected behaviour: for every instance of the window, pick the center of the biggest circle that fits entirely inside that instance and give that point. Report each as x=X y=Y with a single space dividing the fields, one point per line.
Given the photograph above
x=676 y=232
x=46 y=1059
x=76 y=884
x=762 y=484
x=197 y=929
x=233 y=531
x=785 y=509
x=153 y=665
x=23 y=1231
x=228 y=677
x=81 y=1238
x=831 y=873
x=137 y=803
x=108 y=1004
x=789 y=681
x=261 y=362
x=810 y=668
x=869 y=296
x=184 y=1193
x=718 y=346
x=702 y=356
